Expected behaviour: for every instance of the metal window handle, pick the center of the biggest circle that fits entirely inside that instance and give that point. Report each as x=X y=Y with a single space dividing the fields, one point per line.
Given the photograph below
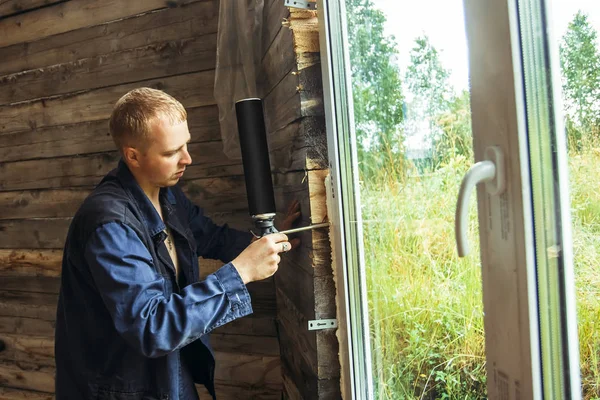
x=490 y=171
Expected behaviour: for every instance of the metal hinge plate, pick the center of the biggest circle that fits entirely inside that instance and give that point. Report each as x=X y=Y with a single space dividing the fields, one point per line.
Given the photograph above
x=318 y=324
x=307 y=5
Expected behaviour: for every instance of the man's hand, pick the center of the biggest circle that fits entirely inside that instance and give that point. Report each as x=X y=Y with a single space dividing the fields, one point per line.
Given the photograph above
x=260 y=259
x=292 y=214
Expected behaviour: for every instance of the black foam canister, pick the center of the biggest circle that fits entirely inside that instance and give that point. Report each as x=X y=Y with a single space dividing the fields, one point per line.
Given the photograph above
x=255 y=156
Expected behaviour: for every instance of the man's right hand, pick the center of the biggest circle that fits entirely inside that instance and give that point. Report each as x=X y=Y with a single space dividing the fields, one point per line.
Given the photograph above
x=260 y=259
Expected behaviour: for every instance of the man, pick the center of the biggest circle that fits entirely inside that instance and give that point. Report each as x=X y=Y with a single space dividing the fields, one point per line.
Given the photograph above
x=133 y=315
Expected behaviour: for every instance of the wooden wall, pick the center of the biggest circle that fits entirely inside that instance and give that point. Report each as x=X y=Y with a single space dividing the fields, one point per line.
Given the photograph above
x=63 y=65
x=305 y=287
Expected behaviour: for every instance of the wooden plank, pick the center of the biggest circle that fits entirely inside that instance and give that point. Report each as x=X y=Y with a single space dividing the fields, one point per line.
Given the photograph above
x=40 y=204
x=142 y=63
x=299 y=382
x=274 y=14
x=72 y=15
x=238 y=344
x=250 y=325
x=217 y=194
x=11 y=7
x=227 y=391
x=294 y=331
x=38 y=284
x=250 y=369
x=193 y=90
x=91 y=137
x=220 y=193
x=43 y=233
x=41 y=306
x=37 y=350
x=278 y=61
x=20 y=394
x=299 y=287
x=190 y=20
x=296 y=95
x=18 y=289
x=26 y=326
x=30 y=378
x=300 y=145
x=232 y=369
x=88 y=170
x=30 y=263
x=282 y=104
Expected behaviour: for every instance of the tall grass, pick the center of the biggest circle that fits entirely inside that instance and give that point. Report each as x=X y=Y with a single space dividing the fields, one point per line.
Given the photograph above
x=425 y=304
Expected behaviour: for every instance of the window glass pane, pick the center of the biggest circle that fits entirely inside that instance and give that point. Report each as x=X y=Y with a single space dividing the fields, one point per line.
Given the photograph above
x=409 y=71
x=576 y=25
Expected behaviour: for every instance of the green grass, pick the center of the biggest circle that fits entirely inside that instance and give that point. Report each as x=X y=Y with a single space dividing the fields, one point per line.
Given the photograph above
x=425 y=303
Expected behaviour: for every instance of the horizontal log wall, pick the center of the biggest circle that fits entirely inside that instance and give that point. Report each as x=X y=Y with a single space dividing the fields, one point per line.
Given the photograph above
x=64 y=64
x=305 y=290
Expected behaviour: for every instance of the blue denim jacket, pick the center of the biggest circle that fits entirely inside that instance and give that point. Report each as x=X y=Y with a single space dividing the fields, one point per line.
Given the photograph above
x=125 y=327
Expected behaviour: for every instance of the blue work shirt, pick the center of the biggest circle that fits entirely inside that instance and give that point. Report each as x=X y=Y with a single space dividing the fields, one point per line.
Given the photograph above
x=126 y=327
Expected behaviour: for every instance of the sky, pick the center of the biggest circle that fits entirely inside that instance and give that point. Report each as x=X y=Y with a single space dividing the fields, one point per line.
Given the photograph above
x=443 y=22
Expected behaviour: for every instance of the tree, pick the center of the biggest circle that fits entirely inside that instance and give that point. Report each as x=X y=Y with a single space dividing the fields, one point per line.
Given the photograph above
x=456 y=138
x=580 y=67
x=376 y=85
x=427 y=81
x=427 y=78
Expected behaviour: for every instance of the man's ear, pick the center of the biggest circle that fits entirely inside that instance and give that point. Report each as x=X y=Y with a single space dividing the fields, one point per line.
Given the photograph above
x=131 y=156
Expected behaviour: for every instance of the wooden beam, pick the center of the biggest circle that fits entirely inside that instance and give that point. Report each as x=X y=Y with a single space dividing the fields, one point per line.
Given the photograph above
x=31 y=263
x=244 y=370
x=250 y=369
x=70 y=16
x=38 y=284
x=40 y=204
x=26 y=326
x=88 y=170
x=43 y=233
x=19 y=376
x=274 y=14
x=190 y=20
x=38 y=350
x=91 y=137
x=41 y=306
x=227 y=391
x=193 y=90
x=241 y=343
x=294 y=331
x=278 y=61
x=11 y=7
x=149 y=62
x=20 y=394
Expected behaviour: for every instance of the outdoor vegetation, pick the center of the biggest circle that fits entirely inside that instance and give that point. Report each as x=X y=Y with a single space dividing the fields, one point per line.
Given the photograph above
x=426 y=310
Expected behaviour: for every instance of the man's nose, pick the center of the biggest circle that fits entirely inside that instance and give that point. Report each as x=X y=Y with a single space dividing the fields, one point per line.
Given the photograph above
x=187 y=159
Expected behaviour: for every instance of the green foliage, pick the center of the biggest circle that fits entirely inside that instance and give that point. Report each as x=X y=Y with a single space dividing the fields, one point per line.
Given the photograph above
x=425 y=303
x=427 y=79
x=580 y=67
x=376 y=85
x=456 y=138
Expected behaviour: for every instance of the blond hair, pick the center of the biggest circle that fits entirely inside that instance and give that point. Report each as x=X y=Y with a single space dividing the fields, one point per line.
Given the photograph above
x=135 y=113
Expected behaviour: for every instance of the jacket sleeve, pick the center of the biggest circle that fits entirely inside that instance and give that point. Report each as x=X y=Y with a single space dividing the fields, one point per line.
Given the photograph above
x=213 y=241
x=134 y=294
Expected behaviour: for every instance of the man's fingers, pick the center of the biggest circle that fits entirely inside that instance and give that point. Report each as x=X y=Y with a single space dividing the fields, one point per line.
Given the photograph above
x=283 y=247
x=277 y=237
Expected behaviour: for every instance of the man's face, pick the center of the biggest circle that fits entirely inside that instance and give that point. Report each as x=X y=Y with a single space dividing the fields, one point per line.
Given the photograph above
x=166 y=157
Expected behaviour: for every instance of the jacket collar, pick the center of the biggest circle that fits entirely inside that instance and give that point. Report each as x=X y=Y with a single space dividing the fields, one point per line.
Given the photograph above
x=152 y=218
